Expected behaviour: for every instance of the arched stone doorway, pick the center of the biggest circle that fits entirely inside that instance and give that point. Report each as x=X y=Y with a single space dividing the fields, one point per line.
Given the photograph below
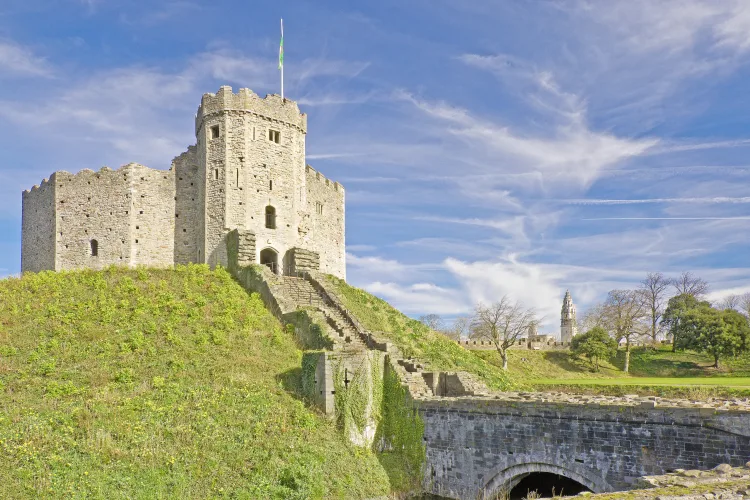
x=525 y=477
x=546 y=485
x=270 y=257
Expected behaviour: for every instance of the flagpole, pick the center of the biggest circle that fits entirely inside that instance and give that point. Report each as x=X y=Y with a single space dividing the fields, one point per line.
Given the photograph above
x=282 y=59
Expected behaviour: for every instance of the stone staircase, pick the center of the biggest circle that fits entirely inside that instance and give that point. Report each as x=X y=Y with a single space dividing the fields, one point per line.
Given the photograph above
x=348 y=336
x=297 y=292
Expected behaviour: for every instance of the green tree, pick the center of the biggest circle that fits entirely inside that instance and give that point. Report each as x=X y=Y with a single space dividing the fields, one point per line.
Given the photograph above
x=673 y=319
x=595 y=344
x=718 y=333
x=737 y=324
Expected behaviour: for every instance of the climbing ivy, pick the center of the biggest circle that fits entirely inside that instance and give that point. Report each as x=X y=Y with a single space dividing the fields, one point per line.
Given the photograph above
x=401 y=429
x=310 y=361
x=352 y=396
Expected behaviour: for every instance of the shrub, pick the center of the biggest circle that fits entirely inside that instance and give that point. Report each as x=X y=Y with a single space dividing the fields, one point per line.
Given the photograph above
x=594 y=345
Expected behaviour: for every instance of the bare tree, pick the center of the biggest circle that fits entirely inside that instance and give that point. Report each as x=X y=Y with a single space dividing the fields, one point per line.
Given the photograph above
x=461 y=328
x=624 y=314
x=592 y=318
x=730 y=302
x=502 y=324
x=433 y=321
x=654 y=290
x=745 y=304
x=688 y=284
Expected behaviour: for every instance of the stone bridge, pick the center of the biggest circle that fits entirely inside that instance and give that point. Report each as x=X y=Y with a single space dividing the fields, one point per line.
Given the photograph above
x=478 y=446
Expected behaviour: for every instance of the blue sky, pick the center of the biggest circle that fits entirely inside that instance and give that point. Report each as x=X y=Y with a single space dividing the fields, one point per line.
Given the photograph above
x=486 y=147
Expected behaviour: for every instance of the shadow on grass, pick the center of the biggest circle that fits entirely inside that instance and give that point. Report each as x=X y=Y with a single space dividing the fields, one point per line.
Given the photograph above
x=291 y=381
x=648 y=362
x=566 y=362
x=401 y=480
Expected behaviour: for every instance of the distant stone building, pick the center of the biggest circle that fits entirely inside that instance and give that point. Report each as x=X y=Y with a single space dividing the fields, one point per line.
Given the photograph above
x=568 y=328
x=247 y=171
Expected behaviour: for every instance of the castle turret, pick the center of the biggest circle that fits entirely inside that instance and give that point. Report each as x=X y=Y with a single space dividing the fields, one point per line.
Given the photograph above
x=568 y=328
x=252 y=154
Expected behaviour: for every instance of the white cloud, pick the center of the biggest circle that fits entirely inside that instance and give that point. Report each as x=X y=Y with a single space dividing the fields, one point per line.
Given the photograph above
x=713 y=200
x=531 y=284
x=717 y=296
x=421 y=298
x=677 y=25
x=17 y=60
x=360 y=248
x=572 y=148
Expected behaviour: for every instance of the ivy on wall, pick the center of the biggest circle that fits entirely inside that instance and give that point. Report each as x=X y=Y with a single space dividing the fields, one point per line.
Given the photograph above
x=401 y=429
x=373 y=396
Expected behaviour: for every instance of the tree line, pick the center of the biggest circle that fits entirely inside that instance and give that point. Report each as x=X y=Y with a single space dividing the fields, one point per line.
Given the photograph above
x=659 y=308
x=667 y=308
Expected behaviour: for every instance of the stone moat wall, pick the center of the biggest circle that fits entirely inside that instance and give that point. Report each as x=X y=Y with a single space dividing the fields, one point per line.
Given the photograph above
x=480 y=444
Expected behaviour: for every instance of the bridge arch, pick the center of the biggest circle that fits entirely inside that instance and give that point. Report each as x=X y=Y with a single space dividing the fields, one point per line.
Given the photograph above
x=508 y=477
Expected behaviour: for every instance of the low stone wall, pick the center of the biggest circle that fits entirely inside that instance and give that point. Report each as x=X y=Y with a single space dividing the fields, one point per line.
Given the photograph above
x=485 y=345
x=304 y=260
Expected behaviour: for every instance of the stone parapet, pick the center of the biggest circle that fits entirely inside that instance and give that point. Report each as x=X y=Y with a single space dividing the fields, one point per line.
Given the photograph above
x=303 y=260
x=272 y=107
x=494 y=400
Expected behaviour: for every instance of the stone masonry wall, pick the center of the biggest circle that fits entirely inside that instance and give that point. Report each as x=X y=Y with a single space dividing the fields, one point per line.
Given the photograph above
x=304 y=260
x=93 y=206
x=153 y=221
x=188 y=220
x=38 y=226
x=128 y=212
x=325 y=229
x=477 y=444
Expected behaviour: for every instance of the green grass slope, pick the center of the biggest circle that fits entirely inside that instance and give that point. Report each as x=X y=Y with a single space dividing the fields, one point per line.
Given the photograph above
x=159 y=384
x=414 y=339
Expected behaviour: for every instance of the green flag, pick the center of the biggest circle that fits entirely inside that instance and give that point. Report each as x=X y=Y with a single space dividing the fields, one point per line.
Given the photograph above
x=281 y=47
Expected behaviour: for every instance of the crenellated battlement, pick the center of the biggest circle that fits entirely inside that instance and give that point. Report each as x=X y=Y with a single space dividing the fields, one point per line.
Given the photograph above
x=314 y=175
x=132 y=169
x=272 y=107
x=41 y=186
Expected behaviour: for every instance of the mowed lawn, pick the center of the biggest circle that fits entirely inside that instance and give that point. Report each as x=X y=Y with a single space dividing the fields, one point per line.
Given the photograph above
x=739 y=382
x=658 y=372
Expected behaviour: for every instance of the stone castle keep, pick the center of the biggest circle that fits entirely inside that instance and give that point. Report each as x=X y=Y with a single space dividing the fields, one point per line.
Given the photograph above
x=246 y=172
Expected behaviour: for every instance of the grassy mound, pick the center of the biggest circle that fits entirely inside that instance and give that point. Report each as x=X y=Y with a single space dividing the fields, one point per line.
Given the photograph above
x=159 y=384
x=528 y=367
x=658 y=372
x=531 y=366
x=414 y=338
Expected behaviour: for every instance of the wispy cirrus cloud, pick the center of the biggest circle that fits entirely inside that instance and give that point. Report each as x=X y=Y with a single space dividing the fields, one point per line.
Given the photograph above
x=696 y=201
x=572 y=148
x=19 y=60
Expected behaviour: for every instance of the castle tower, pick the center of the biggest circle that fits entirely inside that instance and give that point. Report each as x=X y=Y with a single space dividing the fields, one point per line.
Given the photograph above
x=568 y=328
x=251 y=157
